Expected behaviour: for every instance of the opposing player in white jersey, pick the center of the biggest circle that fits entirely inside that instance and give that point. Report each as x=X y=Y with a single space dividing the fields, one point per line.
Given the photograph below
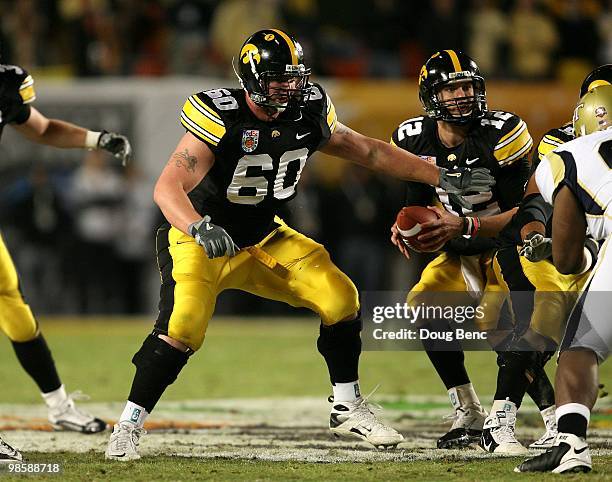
x=576 y=179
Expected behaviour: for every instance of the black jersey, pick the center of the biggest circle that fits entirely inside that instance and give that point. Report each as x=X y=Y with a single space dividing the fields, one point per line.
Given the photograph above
x=511 y=234
x=550 y=141
x=500 y=142
x=257 y=164
x=16 y=92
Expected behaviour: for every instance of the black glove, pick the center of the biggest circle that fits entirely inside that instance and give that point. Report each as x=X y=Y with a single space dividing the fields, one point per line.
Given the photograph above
x=214 y=239
x=461 y=180
x=118 y=145
x=536 y=247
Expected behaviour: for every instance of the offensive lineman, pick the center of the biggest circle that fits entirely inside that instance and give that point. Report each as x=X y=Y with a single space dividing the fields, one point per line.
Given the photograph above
x=16 y=319
x=576 y=180
x=240 y=159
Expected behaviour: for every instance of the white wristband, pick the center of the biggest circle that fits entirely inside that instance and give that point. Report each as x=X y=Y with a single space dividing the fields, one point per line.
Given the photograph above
x=91 y=139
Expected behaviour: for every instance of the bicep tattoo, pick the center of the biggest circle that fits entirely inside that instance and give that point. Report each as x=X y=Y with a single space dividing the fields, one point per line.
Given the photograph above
x=185 y=159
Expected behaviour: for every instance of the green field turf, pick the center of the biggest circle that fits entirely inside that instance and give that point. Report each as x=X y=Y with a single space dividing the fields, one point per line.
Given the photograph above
x=91 y=467
x=241 y=358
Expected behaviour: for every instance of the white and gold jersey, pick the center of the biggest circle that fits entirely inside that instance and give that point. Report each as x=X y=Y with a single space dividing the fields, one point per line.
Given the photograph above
x=584 y=165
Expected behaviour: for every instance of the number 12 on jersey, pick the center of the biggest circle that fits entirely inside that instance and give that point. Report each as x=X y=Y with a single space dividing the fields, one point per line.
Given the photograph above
x=253 y=189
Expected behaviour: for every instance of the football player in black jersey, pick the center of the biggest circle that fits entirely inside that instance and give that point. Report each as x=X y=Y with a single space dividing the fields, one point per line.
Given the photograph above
x=240 y=160
x=459 y=130
x=16 y=319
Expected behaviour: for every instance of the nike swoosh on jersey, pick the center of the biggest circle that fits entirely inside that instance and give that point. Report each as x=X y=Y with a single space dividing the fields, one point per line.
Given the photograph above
x=472 y=161
x=301 y=136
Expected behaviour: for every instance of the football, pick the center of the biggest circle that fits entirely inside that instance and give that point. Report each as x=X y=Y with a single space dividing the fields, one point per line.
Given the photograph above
x=409 y=221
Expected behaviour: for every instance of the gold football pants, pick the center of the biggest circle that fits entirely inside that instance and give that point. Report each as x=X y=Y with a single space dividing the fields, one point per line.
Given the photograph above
x=541 y=297
x=285 y=266
x=16 y=319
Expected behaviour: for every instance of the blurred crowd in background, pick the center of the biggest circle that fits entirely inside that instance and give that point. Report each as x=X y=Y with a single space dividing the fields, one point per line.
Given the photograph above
x=341 y=38
x=83 y=235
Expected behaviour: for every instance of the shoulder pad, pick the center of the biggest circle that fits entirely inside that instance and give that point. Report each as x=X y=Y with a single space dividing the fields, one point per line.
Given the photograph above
x=321 y=104
x=408 y=128
x=555 y=138
x=510 y=135
x=19 y=81
x=203 y=114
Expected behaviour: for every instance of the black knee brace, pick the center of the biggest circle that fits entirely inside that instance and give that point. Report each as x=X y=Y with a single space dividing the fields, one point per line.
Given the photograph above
x=340 y=345
x=157 y=366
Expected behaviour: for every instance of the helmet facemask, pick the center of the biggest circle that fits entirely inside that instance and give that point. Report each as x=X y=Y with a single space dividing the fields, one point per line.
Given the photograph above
x=457 y=110
x=281 y=88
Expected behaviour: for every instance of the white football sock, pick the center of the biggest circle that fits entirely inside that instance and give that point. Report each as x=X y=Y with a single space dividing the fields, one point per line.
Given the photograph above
x=573 y=408
x=346 y=392
x=134 y=414
x=463 y=396
x=56 y=397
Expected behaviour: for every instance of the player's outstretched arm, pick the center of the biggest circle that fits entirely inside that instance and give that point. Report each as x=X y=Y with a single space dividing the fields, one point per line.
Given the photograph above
x=383 y=157
x=59 y=133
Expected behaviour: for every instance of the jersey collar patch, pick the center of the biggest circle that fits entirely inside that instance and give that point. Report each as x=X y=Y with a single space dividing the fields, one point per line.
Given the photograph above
x=250 y=139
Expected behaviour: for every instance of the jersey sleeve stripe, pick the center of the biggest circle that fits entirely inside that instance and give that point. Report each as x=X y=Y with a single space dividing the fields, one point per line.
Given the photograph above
x=552 y=140
x=510 y=136
x=26 y=90
x=392 y=142
x=198 y=131
x=210 y=112
x=202 y=123
x=520 y=145
x=518 y=154
x=331 y=117
x=206 y=113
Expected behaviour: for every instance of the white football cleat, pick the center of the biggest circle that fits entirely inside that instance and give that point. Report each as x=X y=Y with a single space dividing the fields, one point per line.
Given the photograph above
x=498 y=431
x=468 y=418
x=66 y=416
x=124 y=441
x=569 y=453
x=9 y=454
x=358 y=420
x=550 y=421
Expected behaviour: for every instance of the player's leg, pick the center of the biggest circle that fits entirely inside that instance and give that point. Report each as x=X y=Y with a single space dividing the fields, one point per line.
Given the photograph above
x=298 y=271
x=587 y=342
x=187 y=299
x=446 y=274
x=18 y=323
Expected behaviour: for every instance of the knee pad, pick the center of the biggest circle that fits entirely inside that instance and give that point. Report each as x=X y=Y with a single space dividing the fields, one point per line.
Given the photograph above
x=162 y=359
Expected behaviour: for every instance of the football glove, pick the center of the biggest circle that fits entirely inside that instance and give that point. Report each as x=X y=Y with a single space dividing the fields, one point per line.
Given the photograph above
x=214 y=239
x=460 y=180
x=117 y=144
x=536 y=247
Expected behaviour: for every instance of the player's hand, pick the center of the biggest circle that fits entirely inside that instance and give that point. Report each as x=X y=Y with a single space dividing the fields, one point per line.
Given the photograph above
x=118 y=145
x=214 y=239
x=439 y=231
x=536 y=247
x=461 y=180
x=398 y=241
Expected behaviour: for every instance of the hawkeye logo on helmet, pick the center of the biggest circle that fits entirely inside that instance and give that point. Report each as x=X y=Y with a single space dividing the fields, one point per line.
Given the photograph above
x=423 y=74
x=248 y=52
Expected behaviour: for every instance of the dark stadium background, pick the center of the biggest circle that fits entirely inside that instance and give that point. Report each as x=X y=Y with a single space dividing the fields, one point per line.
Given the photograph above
x=127 y=66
